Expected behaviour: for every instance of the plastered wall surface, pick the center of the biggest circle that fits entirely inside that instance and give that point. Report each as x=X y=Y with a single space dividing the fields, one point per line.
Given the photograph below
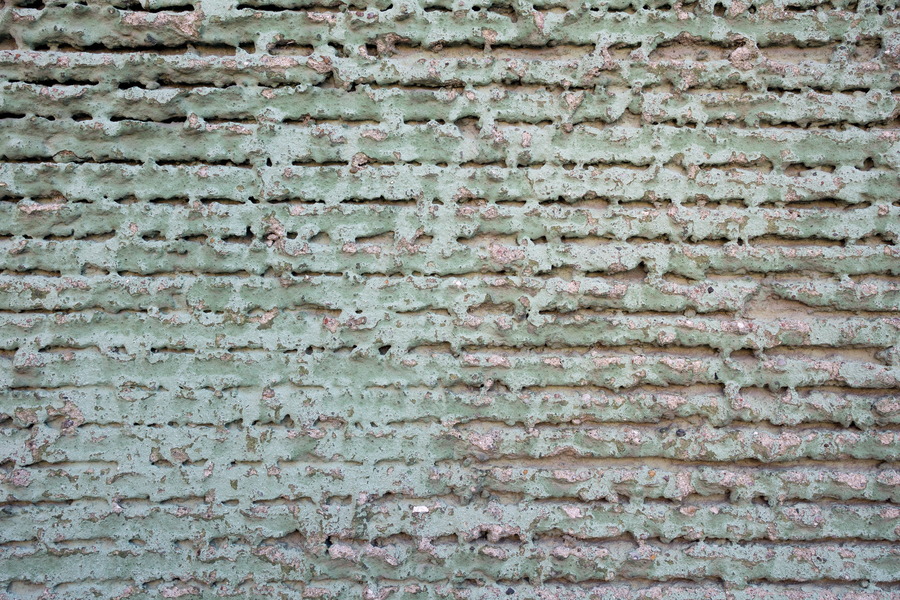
x=456 y=299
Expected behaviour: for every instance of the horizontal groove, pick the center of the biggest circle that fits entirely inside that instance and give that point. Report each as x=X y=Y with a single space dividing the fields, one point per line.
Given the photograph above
x=819 y=77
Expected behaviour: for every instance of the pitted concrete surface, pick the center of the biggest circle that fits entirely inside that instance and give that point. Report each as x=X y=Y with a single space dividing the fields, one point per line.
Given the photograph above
x=450 y=299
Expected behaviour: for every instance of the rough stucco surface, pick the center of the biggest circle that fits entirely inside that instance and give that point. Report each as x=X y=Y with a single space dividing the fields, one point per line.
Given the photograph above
x=452 y=300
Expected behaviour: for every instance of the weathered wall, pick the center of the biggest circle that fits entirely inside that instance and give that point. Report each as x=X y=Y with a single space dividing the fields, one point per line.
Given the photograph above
x=462 y=299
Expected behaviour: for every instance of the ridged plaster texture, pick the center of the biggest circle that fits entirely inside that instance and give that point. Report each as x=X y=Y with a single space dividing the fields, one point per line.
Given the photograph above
x=450 y=299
